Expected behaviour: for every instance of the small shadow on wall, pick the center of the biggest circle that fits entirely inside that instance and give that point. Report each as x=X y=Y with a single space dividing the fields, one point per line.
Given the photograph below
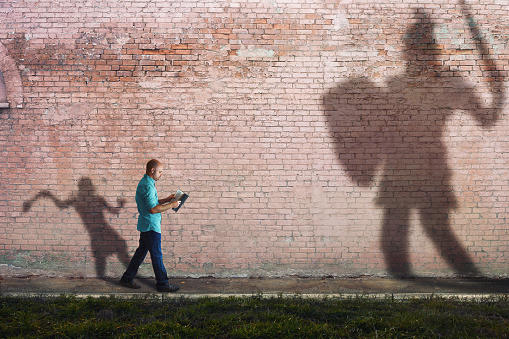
x=396 y=131
x=91 y=207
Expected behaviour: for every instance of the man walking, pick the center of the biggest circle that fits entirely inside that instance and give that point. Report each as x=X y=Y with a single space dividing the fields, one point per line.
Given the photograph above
x=150 y=208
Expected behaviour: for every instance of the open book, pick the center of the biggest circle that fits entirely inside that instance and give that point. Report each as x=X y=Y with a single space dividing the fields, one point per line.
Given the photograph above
x=179 y=196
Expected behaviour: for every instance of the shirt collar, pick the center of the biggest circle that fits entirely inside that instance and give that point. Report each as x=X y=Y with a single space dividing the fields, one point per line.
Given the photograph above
x=150 y=179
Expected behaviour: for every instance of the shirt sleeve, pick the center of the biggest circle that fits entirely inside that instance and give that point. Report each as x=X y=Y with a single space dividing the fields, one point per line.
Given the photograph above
x=149 y=197
x=152 y=200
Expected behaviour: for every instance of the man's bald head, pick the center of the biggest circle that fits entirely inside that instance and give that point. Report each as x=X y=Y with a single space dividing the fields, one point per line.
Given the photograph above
x=153 y=164
x=154 y=169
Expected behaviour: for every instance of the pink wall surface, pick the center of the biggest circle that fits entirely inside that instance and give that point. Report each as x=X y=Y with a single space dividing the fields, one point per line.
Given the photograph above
x=313 y=137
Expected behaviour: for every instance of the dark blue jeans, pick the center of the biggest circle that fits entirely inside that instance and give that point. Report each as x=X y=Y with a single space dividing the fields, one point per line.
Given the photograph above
x=149 y=242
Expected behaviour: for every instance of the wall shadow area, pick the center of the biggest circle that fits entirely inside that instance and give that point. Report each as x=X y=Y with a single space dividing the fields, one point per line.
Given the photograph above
x=396 y=131
x=91 y=207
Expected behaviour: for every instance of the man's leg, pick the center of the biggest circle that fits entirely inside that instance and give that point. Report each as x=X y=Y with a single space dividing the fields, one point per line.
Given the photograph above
x=157 y=263
x=156 y=255
x=138 y=257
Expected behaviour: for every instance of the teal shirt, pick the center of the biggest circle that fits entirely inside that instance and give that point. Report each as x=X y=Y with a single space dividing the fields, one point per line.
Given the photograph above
x=146 y=199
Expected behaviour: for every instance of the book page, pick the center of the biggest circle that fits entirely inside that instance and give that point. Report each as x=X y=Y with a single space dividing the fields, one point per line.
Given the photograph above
x=178 y=195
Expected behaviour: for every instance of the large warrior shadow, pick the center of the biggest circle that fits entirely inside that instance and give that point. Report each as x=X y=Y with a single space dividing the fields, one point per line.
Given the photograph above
x=397 y=131
x=91 y=207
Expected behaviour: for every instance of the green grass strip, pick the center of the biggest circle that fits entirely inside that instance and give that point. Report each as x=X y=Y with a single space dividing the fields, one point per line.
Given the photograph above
x=252 y=317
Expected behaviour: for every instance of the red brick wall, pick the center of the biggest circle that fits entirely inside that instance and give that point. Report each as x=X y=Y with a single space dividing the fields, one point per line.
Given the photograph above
x=314 y=137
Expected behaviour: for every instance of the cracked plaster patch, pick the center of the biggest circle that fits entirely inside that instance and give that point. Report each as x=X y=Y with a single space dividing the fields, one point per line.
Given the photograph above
x=59 y=114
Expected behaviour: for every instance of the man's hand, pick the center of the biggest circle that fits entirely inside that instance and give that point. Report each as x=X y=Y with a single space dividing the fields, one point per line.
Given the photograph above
x=175 y=204
x=164 y=205
x=166 y=200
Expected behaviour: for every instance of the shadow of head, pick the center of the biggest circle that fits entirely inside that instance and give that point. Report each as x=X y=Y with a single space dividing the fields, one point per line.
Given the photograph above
x=85 y=185
x=421 y=49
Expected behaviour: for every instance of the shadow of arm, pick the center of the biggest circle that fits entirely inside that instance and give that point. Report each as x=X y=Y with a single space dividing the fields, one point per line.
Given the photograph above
x=115 y=210
x=47 y=194
x=487 y=115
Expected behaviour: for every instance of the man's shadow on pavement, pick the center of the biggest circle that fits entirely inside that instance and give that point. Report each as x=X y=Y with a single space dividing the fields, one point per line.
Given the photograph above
x=104 y=240
x=397 y=131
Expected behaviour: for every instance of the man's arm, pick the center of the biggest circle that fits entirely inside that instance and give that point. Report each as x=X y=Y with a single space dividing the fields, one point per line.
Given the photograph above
x=164 y=205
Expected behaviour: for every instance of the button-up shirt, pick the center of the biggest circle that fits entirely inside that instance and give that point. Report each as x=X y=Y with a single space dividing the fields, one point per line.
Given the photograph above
x=146 y=199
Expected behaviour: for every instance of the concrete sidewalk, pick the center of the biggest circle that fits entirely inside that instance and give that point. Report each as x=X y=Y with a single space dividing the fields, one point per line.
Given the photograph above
x=328 y=286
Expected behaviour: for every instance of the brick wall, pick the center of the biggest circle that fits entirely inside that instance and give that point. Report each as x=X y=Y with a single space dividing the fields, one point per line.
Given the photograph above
x=314 y=137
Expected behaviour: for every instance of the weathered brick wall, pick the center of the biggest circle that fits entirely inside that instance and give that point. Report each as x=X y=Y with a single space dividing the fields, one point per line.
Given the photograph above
x=314 y=137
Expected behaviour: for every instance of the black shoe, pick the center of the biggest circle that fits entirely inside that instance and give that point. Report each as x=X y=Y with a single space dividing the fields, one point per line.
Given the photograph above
x=168 y=288
x=130 y=284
